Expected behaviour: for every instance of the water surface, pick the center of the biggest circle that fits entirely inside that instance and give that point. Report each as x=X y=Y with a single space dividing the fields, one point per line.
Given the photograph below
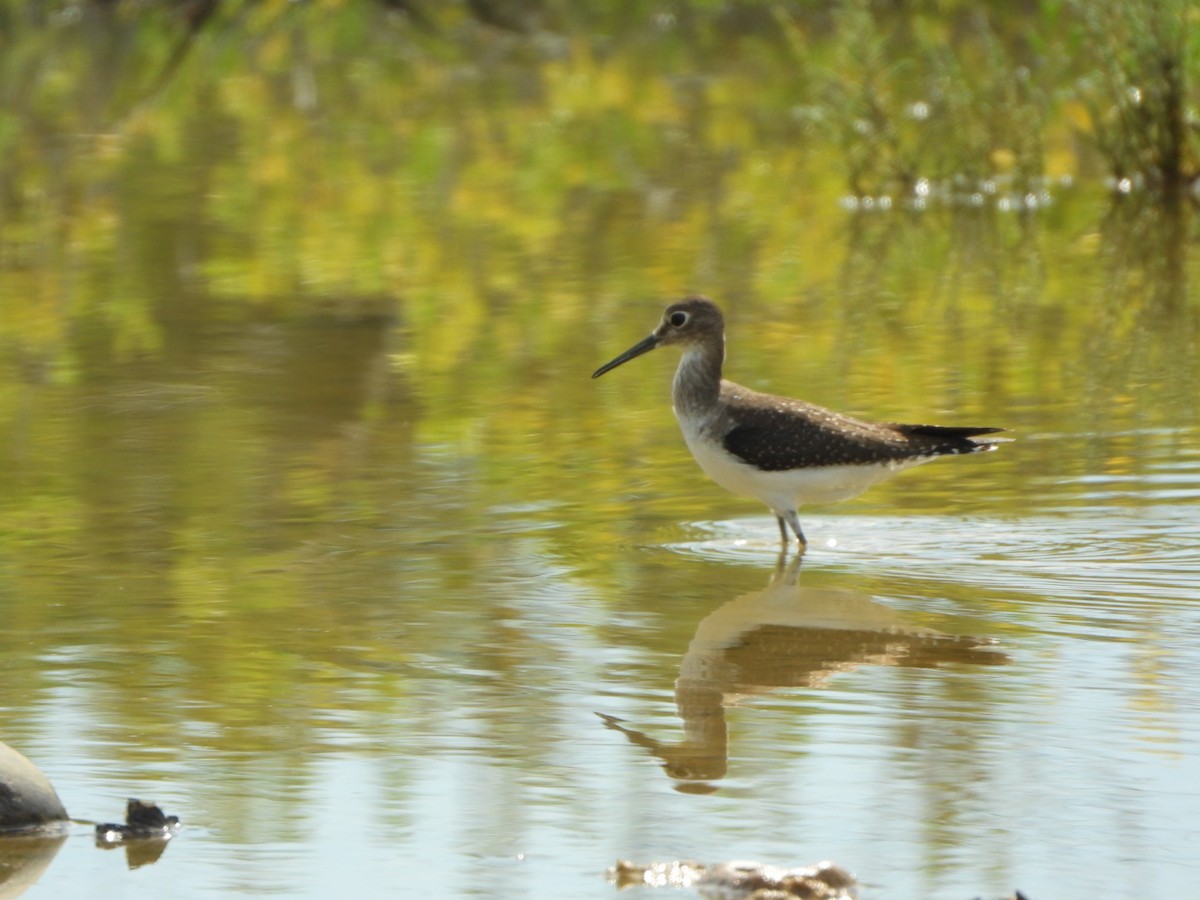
x=316 y=531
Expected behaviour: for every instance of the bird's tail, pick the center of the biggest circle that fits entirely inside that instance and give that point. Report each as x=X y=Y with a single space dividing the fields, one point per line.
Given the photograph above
x=963 y=439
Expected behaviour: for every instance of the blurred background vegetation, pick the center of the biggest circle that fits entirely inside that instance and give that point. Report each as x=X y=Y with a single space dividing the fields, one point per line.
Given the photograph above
x=485 y=180
x=300 y=299
x=281 y=152
x=468 y=186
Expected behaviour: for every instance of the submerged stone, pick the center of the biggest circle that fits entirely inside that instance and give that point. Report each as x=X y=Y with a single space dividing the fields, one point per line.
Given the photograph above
x=742 y=880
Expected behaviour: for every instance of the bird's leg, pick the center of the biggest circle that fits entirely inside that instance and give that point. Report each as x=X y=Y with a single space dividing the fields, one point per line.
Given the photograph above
x=793 y=519
x=783 y=532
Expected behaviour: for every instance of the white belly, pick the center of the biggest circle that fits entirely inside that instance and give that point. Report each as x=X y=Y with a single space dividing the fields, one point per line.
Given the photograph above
x=789 y=489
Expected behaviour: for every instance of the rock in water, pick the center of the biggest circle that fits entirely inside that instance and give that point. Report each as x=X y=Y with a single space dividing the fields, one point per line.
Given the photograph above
x=27 y=798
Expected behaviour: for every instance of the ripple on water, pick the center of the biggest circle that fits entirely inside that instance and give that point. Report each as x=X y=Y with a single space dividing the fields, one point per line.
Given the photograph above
x=1104 y=565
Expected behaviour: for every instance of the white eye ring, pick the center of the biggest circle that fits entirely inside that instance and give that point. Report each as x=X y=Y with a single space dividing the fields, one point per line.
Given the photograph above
x=678 y=319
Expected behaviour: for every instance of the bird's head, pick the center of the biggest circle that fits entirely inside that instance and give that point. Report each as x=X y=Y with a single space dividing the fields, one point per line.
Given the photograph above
x=688 y=322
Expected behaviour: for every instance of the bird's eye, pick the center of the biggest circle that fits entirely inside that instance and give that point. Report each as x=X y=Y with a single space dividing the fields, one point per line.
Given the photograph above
x=678 y=319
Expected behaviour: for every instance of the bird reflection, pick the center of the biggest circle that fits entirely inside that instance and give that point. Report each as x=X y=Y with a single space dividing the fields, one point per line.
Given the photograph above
x=785 y=636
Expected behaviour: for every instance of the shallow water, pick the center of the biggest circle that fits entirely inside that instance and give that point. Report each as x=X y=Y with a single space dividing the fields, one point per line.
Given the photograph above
x=316 y=531
x=948 y=705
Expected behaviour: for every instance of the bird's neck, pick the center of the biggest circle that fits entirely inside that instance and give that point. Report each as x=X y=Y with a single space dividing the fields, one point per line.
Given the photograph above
x=697 y=386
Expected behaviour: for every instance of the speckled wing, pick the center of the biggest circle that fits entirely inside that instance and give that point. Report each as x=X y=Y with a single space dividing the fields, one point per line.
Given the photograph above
x=778 y=434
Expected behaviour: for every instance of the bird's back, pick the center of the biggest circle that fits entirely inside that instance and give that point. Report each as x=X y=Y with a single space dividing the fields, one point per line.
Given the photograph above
x=775 y=433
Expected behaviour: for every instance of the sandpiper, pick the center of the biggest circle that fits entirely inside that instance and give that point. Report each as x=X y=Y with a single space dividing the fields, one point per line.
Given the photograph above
x=785 y=452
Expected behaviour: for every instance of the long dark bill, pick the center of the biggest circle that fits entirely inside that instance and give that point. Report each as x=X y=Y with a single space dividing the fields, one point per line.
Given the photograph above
x=643 y=346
